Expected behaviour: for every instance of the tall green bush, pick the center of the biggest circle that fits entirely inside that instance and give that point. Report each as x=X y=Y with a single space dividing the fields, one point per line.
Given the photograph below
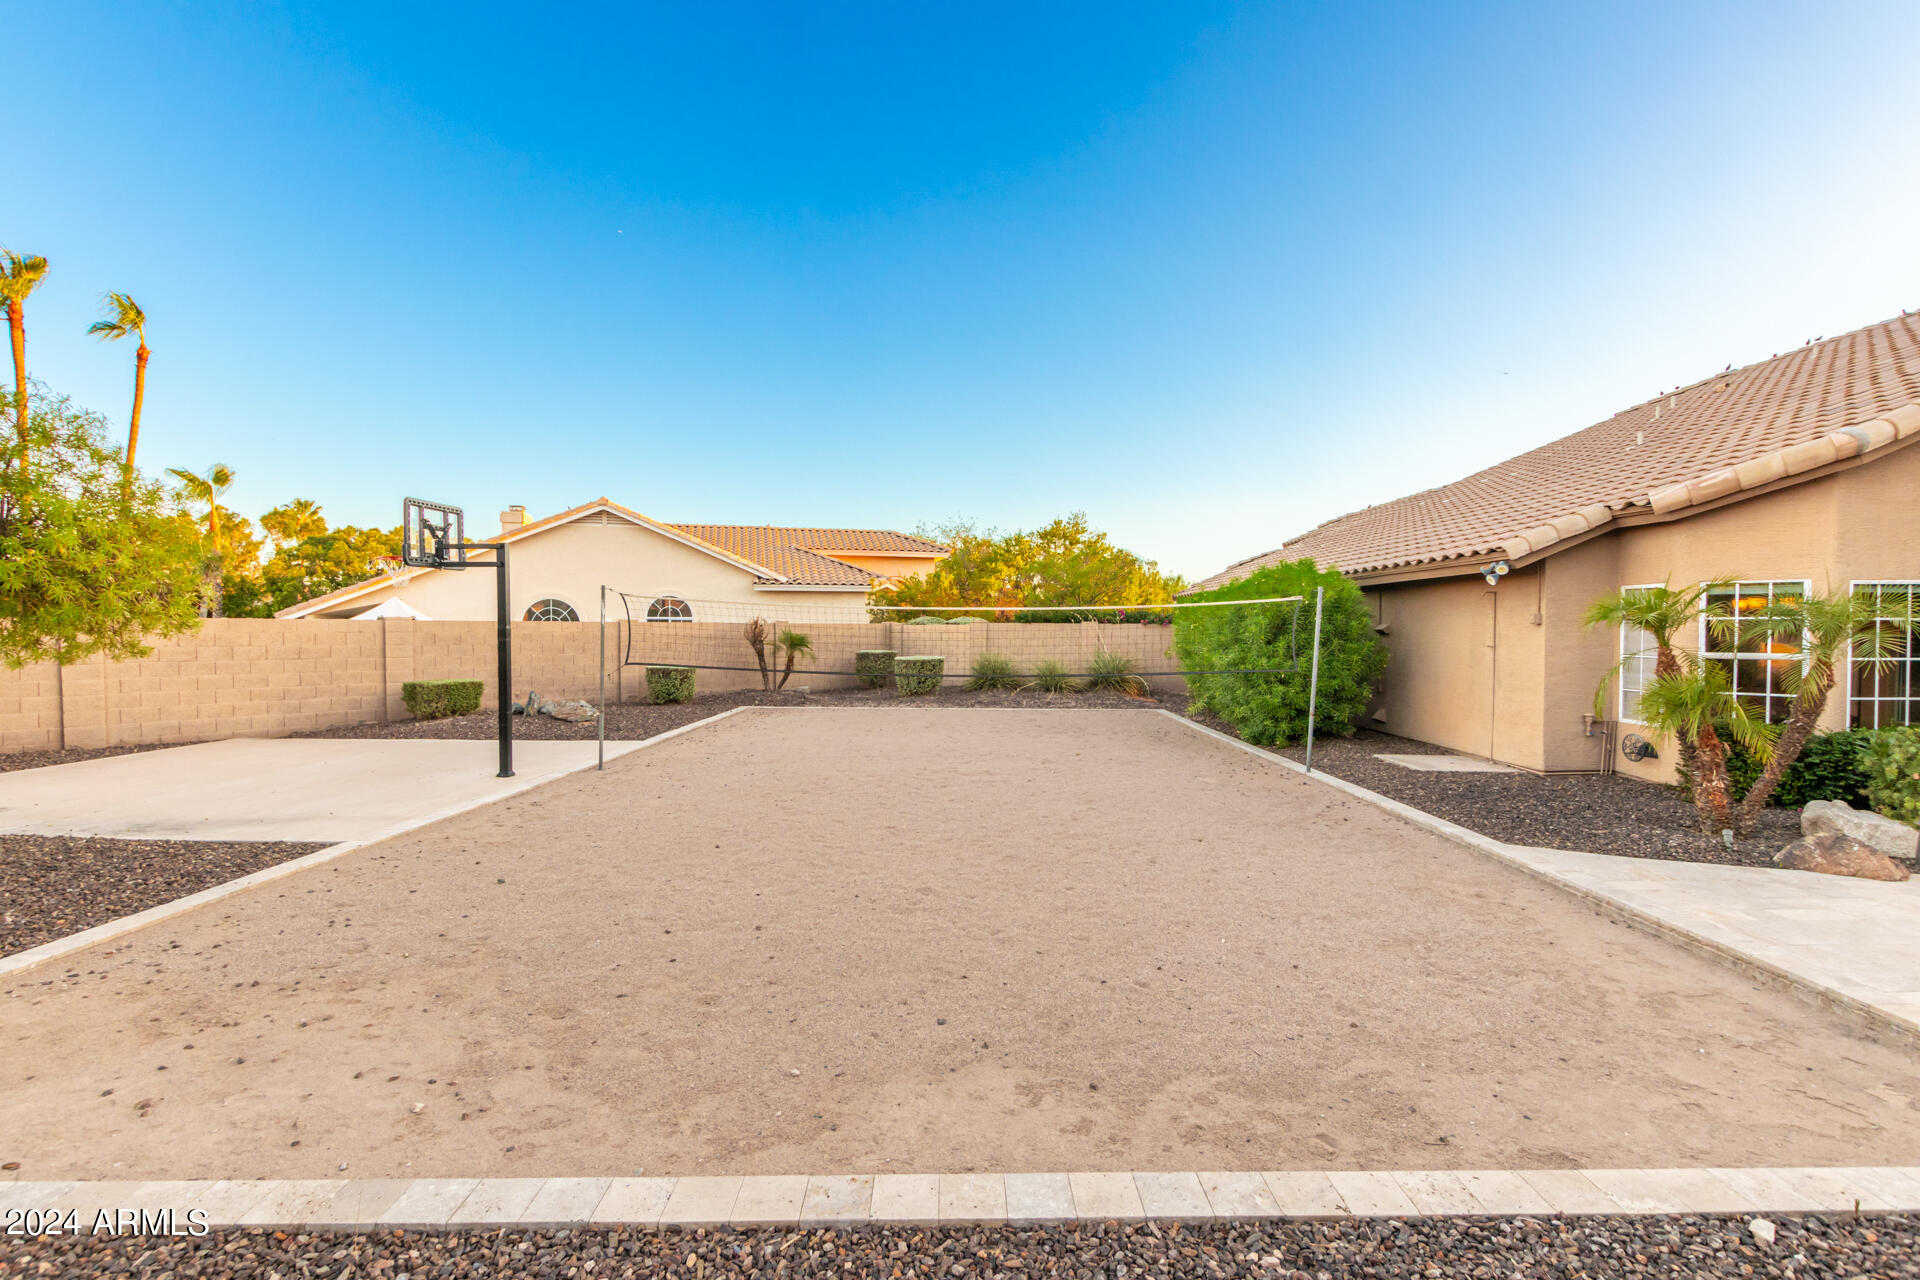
x=873 y=666
x=917 y=674
x=1271 y=708
x=669 y=684
x=1892 y=763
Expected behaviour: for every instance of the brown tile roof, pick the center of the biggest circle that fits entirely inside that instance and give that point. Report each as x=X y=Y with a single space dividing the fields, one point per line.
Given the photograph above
x=1736 y=430
x=804 y=556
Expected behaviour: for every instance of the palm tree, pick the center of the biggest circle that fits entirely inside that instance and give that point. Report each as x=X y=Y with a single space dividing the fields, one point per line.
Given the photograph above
x=1823 y=628
x=1662 y=612
x=293 y=521
x=124 y=317
x=798 y=645
x=208 y=488
x=1693 y=704
x=20 y=275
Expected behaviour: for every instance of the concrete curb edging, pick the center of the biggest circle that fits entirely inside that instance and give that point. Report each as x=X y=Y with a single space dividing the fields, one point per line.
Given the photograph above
x=114 y=929
x=909 y=1199
x=1624 y=912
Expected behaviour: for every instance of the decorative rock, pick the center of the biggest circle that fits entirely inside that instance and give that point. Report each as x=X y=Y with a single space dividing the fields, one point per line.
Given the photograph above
x=1833 y=854
x=571 y=712
x=1895 y=839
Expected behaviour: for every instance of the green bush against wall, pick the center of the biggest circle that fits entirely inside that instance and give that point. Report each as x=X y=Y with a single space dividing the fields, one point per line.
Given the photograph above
x=918 y=674
x=873 y=666
x=669 y=684
x=1892 y=766
x=1271 y=709
x=438 y=699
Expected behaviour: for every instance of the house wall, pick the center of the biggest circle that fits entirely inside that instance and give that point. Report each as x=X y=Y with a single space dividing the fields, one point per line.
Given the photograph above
x=260 y=677
x=1857 y=525
x=570 y=562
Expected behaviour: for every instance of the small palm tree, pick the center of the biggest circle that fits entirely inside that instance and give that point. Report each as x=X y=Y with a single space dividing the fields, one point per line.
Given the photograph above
x=1824 y=629
x=1694 y=704
x=20 y=275
x=798 y=645
x=1662 y=612
x=208 y=488
x=124 y=317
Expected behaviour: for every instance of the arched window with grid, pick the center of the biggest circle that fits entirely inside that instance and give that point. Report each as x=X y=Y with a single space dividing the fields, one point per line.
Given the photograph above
x=551 y=610
x=669 y=609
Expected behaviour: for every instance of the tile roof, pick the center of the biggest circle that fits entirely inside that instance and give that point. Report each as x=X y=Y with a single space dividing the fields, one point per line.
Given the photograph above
x=1736 y=430
x=804 y=556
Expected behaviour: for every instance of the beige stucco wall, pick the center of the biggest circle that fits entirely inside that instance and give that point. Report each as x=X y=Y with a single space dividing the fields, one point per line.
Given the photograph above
x=570 y=562
x=883 y=566
x=1857 y=525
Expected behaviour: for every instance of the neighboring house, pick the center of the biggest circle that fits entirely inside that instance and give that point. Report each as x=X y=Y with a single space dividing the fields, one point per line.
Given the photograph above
x=559 y=564
x=1795 y=474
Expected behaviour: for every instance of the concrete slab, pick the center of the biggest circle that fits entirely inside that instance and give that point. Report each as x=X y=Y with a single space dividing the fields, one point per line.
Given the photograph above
x=973 y=1197
x=1039 y=1197
x=769 y=1201
x=330 y=789
x=833 y=1202
x=1175 y=1196
x=1445 y=764
x=636 y=1202
x=1239 y=1195
x=1106 y=1196
x=912 y=1199
x=428 y=1203
x=1305 y=1195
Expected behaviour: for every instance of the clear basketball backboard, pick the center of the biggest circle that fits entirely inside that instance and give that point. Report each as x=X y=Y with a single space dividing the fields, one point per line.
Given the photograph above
x=432 y=536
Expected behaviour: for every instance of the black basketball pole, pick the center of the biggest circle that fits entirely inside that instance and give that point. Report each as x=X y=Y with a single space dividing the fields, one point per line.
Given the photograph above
x=504 y=643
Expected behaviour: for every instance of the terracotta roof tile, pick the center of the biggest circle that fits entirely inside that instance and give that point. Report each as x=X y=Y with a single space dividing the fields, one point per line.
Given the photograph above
x=1732 y=431
x=804 y=556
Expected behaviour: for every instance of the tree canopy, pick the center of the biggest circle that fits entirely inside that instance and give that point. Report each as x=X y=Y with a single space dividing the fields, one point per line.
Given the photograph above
x=1067 y=562
x=312 y=566
x=89 y=564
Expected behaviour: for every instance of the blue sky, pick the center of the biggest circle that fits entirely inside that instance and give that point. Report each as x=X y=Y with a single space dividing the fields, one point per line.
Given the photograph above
x=1212 y=273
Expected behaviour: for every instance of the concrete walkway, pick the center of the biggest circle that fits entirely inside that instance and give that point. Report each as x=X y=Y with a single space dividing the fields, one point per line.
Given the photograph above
x=333 y=789
x=927 y=1199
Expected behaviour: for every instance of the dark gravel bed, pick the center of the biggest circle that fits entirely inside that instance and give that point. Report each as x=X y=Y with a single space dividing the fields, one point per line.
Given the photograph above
x=53 y=886
x=640 y=720
x=1595 y=812
x=1884 y=1246
x=41 y=759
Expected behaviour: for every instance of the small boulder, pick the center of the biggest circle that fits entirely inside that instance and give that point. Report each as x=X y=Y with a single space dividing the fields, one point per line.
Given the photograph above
x=575 y=712
x=1895 y=839
x=1833 y=854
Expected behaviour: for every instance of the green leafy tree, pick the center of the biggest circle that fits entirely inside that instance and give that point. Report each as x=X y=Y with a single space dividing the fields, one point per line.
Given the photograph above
x=20 y=275
x=1243 y=645
x=207 y=489
x=126 y=319
x=1066 y=562
x=292 y=521
x=313 y=566
x=88 y=563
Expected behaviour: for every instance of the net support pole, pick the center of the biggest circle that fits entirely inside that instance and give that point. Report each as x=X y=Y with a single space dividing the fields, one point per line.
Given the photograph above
x=602 y=765
x=504 y=643
x=1313 y=680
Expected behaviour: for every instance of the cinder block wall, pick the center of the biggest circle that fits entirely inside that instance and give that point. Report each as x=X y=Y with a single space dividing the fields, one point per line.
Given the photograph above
x=261 y=677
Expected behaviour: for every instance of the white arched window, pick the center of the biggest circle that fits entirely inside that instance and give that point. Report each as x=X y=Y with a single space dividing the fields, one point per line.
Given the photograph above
x=551 y=611
x=669 y=609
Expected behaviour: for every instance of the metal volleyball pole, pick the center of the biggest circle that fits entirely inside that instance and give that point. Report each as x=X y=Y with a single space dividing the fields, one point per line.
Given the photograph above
x=504 y=644
x=603 y=677
x=1313 y=682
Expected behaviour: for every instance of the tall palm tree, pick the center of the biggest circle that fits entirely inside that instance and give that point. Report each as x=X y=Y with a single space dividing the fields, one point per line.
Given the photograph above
x=1823 y=629
x=124 y=317
x=208 y=488
x=20 y=275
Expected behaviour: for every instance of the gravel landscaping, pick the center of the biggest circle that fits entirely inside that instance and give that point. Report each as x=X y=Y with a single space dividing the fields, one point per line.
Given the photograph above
x=1426 y=1248
x=53 y=886
x=1597 y=813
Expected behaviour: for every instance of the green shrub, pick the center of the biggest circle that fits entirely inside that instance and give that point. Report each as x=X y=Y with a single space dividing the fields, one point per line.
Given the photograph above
x=873 y=666
x=926 y=620
x=438 y=699
x=1270 y=708
x=1114 y=671
x=1892 y=761
x=993 y=671
x=918 y=674
x=669 y=684
x=1832 y=766
x=1050 y=677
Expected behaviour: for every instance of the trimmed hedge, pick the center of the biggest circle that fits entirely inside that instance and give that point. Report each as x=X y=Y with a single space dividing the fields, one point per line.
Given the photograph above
x=669 y=684
x=873 y=666
x=438 y=699
x=919 y=674
x=1892 y=766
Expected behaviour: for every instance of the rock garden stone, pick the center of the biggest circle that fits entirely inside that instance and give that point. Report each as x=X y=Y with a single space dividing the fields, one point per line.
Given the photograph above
x=1895 y=839
x=1833 y=854
x=574 y=712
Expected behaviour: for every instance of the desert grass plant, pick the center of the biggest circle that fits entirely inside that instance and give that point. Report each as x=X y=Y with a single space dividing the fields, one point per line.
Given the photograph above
x=797 y=645
x=669 y=684
x=873 y=666
x=1050 y=676
x=1109 y=670
x=917 y=675
x=992 y=671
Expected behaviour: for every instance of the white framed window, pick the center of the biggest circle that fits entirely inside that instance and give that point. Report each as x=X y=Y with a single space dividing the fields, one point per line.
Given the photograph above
x=1879 y=696
x=1638 y=653
x=669 y=609
x=1757 y=664
x=551 y=611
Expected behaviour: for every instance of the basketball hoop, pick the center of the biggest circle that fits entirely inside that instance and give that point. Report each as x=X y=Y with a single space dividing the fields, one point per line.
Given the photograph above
x=433 y=536
x=392 y=566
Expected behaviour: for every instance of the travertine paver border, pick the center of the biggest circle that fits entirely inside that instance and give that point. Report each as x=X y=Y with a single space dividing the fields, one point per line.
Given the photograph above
x=1877 y=1015
x=114 y=929
x=852 y=1200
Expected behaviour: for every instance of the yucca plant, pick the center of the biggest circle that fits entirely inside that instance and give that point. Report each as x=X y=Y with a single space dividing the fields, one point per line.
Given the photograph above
x=1109 y=670
x=1051 y=677
x=992 y=671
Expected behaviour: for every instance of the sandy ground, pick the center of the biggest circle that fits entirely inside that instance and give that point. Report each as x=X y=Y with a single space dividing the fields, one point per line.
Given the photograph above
x=818 y=940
